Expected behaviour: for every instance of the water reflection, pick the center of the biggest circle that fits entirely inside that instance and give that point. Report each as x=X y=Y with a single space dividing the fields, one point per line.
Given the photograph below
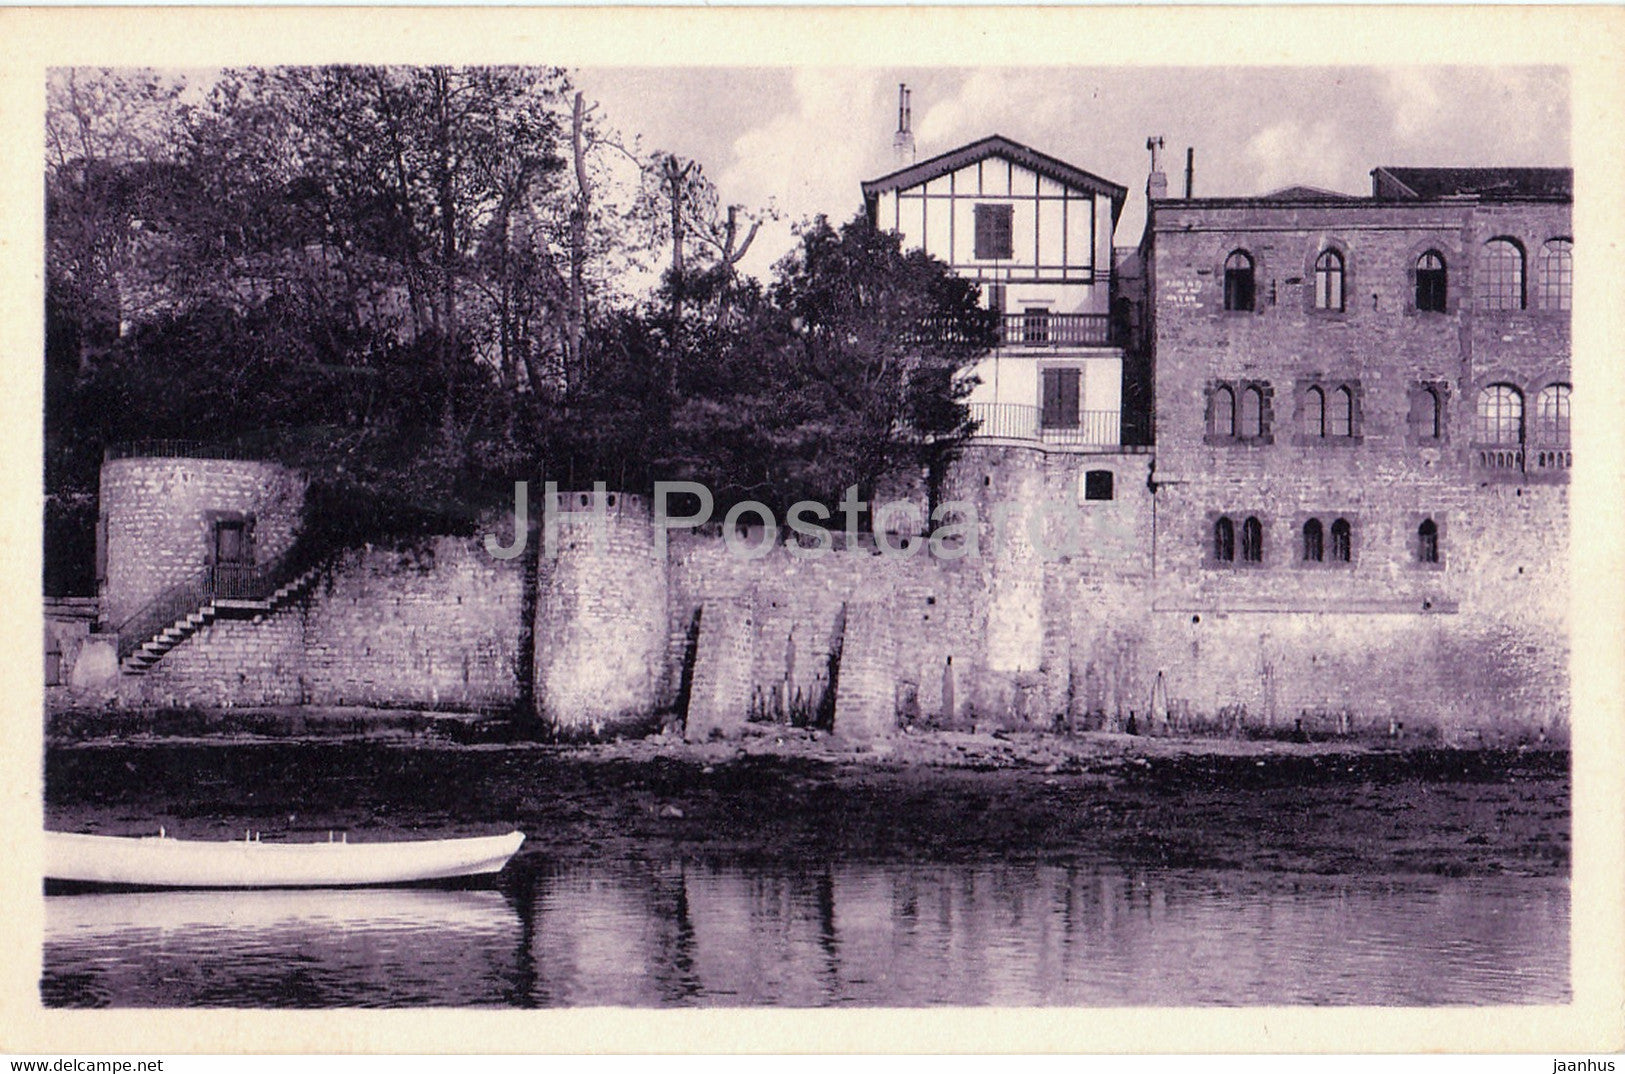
x=670 y=934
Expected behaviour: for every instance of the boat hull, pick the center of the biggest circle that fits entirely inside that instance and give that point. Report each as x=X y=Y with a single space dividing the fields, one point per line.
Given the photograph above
x=159 y=862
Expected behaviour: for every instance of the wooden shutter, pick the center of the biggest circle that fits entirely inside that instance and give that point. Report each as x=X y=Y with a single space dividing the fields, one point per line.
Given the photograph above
x=994 y=233
x=1061 y=390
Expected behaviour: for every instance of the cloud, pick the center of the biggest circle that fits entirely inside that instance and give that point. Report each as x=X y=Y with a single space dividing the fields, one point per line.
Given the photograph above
x=803 y=159
x=1413 y=94
x=1291 y=153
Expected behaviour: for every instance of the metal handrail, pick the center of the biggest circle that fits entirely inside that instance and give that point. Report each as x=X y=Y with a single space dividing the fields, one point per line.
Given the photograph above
x=217 y=581
x=1017 y=421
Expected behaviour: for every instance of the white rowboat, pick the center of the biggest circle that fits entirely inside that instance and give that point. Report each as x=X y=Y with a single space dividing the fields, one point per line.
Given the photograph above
x=159 y=861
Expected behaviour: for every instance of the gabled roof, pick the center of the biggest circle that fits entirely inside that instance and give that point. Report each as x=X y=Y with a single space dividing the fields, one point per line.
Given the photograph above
x=1489 y=184
x=997 y=145
x=1307 y=193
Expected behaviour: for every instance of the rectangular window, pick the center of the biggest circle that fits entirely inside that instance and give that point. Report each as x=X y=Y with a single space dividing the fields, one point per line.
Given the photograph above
x=994 y=232
x=1062 y=388
x=53 y=661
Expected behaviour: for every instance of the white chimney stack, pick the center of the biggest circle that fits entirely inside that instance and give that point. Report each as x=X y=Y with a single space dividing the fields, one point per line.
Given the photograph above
x=902 y=143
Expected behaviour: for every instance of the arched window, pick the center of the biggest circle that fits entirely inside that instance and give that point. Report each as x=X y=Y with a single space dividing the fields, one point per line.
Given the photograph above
x=1238 y=281
x=1552 y=414
x=1427 y=542
x=1222 y=416
x=1224 y=540
x=1314 y=413
x=1557 y=275
x=1432 y=414
x=1252 y=541
x=1340 y=413
x=1500 y=415
x=1500 y=276
x=1314 y=541
x=1432 y=282
x=1329 y=281
x=1342 y=541
x=1252 y=413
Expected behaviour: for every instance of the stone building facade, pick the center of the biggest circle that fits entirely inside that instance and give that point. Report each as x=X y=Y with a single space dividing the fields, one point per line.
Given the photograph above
x=1345 y=510
x=1362 y=427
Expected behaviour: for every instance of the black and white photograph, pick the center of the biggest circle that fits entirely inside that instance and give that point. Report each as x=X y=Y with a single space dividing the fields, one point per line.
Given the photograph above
x=698 y=532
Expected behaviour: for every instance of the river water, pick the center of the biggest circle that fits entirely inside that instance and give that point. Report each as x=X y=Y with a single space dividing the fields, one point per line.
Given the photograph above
x=634 y=933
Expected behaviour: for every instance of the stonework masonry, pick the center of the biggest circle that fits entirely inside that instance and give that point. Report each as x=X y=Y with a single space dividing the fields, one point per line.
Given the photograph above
x=1399 y=561
x=1474 y=640
x=156 y=521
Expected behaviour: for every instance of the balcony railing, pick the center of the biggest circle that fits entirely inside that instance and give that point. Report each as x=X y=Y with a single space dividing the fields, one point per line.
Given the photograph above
x=180 y=449
x=1521 y=458
x=1013 y=421
x=1033 y=329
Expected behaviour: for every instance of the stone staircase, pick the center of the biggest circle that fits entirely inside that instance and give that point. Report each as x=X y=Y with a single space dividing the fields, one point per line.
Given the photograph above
x=148 y=643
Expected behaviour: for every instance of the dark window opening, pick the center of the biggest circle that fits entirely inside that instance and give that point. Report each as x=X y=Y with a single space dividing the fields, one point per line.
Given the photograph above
x=1342 y=541
x=1224 y=540
x=1329 y=281
x=230 y=543
x=1097 y=485
x=1427 y=541
x=1314 y=547
x=53 y=661
x=1252 y=541
x=1433 y=416
x=994 y=232
x=1238 y=281
x=1431 y=282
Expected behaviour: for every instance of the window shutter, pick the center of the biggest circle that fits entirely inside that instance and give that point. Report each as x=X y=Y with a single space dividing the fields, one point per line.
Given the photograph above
x=993 y=232
x=1060 y=401
x=1071 y=382
x=1052 y=399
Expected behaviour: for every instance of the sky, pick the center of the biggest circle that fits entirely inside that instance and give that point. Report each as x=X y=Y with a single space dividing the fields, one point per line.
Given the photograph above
x=803 y=139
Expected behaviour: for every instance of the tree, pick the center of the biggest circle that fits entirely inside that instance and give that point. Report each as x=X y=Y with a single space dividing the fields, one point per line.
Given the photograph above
x=686 y=214
x=851 y=365
x=109 y=141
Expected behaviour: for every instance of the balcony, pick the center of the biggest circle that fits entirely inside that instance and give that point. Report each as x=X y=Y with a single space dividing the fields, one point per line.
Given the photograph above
x=1038 y=329
x=1550 y=461
x=1098 y=430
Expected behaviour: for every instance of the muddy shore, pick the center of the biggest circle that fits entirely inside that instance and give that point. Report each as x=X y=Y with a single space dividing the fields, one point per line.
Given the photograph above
x=783 y=794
